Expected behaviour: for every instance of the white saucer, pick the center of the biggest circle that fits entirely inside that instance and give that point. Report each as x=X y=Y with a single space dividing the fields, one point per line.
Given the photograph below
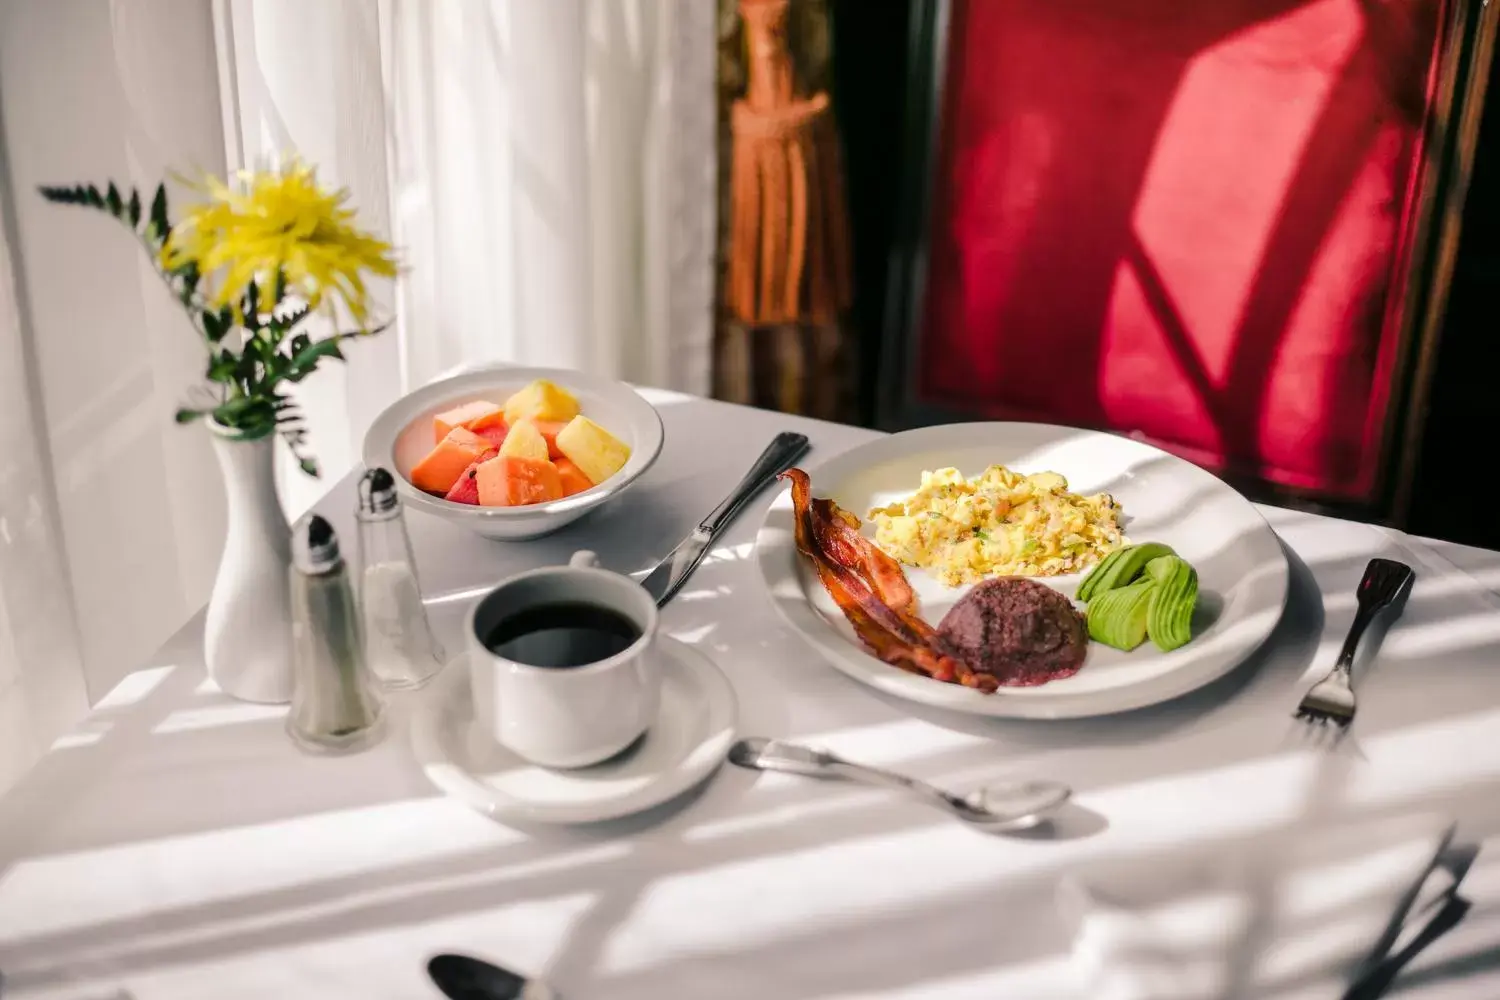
x=686 y=744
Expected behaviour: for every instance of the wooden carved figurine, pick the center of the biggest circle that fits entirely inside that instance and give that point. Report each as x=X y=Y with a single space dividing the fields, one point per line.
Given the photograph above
x=789 y=243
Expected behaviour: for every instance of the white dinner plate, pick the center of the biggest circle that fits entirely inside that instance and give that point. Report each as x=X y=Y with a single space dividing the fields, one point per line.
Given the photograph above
x=686 y=744
x=1242 y=570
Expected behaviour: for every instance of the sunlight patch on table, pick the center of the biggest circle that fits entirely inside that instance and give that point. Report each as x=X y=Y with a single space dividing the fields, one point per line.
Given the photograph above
x=134 y=687
x=1168 y=813
x=1050 y=979
x=1434 y=595
x=1335 y=549
x=1042 y=979
x=787 y=892
x=347 y=947
x=213 y=716
x=894 y=741
x=702 y=594
x=830 y=802
x=1296 y=785
x=1437 y=756
x=1415 y=640
x=729 y=553
x=39 y=895
x=89 y=732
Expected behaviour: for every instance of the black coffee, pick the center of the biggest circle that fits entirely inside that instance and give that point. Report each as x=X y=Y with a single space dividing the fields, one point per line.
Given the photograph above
x=562 y=635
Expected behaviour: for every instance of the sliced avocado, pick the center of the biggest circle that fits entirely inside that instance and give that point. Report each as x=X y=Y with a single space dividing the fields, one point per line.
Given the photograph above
x=1118 y=617
x=1123 y=571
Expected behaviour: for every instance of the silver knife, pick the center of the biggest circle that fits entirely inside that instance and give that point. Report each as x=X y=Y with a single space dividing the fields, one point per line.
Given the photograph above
x=670 y=574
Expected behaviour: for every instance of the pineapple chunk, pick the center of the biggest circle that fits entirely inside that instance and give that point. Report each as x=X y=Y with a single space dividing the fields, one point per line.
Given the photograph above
x=541 y=400
x=597 y=452
x=524 y=441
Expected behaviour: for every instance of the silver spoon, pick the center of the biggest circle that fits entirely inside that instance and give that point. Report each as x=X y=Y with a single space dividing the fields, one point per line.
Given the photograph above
x=1015 y=806
x=462 y=977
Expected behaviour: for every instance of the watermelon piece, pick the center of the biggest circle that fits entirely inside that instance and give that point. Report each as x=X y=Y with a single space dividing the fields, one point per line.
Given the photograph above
x=466 y=490
x=494 y=434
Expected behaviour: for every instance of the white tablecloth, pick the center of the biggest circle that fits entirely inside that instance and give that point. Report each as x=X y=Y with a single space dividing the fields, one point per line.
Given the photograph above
x=178 y=846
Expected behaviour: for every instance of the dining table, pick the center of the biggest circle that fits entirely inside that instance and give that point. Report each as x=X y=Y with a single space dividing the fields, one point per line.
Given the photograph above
x=176 y=845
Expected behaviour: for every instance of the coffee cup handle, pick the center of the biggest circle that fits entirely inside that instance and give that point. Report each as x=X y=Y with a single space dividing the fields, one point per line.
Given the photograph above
x=583 y=559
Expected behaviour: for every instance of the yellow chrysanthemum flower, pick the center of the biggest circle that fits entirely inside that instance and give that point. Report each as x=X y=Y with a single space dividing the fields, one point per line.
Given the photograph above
x=279 y=220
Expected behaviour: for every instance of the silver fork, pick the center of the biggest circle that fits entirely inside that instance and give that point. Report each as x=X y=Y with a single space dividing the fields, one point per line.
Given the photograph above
x=1332 y=698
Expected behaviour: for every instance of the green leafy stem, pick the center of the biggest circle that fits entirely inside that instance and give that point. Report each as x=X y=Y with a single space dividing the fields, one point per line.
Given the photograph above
x=254 y=351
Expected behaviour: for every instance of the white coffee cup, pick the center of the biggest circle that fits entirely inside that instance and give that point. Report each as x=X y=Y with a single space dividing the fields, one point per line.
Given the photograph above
x=570 y=716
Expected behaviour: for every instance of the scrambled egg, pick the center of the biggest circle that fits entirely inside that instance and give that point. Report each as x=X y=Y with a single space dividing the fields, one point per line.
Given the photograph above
x=1000 y=523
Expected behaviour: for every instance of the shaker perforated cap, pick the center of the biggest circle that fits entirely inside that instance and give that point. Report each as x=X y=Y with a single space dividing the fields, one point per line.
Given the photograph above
x=315 y=547
x=377 y=492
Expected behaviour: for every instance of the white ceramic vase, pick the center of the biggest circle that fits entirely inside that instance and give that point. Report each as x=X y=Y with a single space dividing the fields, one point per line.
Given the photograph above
x=247 y=642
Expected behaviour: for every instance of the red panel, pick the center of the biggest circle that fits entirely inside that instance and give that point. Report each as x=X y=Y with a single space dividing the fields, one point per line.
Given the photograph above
x=1180 y=219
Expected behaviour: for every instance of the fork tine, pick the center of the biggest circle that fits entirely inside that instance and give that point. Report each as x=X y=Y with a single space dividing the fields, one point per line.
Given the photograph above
x=1324 y=730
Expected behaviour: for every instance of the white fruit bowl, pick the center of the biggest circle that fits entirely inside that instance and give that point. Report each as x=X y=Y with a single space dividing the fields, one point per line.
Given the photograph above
x=402 y=435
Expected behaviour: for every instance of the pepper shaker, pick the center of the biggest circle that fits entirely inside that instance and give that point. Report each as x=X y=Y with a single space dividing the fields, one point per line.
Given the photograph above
x=333 y=706
x=399 y=646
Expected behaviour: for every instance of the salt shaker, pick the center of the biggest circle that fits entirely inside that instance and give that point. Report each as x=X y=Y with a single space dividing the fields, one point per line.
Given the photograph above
x=334 y=708
x=399 y=645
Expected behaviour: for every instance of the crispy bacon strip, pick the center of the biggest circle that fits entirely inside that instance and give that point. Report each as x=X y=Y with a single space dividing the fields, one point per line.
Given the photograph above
x=871 y=590
x=838 y=532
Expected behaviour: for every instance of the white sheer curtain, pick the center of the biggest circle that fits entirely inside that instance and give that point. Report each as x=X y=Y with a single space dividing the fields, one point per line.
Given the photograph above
x=111 y=517
x=545 y=166
x=41 y=669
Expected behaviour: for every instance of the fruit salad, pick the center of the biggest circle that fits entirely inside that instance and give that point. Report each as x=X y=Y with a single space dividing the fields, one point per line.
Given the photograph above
x=534 y=447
